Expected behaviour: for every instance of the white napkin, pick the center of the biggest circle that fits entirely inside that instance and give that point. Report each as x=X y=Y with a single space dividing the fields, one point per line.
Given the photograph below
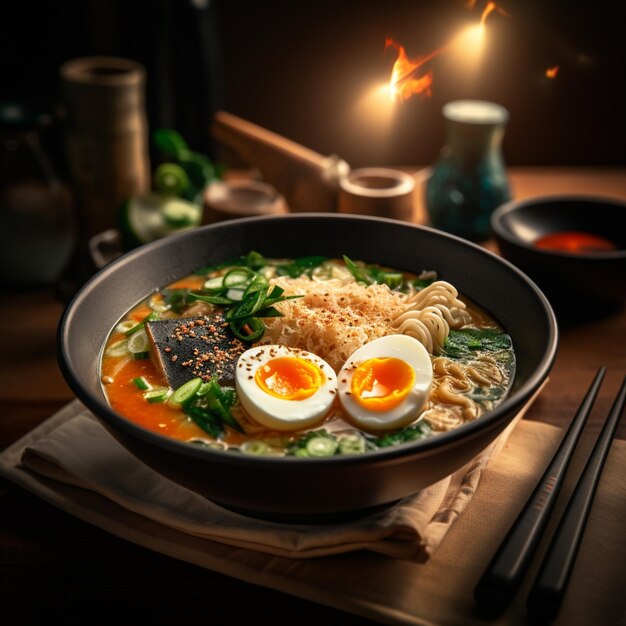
x=78 y=451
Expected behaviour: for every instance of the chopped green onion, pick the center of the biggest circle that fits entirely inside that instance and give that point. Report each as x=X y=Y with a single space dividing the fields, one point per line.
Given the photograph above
x=237 y=277
x=157 y=303
x=141 y=383
x=159 y=394
x=360 y=274
x=255 y=326
x=216 y=283
x=248 y=307
x=137 y=327
x=192 y=297
x=139 y=345
x=353 y=443
x=117 y=349
x=186 y=391
x=124 y=326
x=235 y=294
x=205 y=420
x=321 y=446
x=255 y=448
x=217 y=402
x=258 y=283
x=270 y=311
x=392 y=279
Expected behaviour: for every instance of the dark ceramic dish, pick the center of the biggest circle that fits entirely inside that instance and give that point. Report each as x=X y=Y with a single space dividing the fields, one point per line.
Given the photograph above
x=294 y=488
x=577 y=284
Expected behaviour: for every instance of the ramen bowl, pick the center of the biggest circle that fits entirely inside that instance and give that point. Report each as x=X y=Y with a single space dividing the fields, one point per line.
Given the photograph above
x=582 y=267
x=290 y=488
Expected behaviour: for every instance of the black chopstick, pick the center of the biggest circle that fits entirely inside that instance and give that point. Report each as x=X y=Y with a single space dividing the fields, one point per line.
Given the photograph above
x=546 y=594
x=504 y=573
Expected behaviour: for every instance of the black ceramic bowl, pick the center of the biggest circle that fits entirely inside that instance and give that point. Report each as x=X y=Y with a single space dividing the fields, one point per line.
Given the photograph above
x=577 y=284
x=309 y=488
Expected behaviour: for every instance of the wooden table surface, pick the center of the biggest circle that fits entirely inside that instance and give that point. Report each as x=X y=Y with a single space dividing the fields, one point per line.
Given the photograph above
x=54 y=565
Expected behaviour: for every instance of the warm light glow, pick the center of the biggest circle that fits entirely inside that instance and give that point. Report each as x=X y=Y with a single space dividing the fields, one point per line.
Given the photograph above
x=489 y=8
x=470 y=41
x=405 y=81
x=409 y=77
x=551 y=72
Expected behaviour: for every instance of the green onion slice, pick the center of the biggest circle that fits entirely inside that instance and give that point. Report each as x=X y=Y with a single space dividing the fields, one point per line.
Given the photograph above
x=321 y=446
x=255 y=448
x=137 y=327
x=141 y=383
x=158 y=394
x=186 y=391
x=117 y=349
x=353 y=443
x=238 y=277
x=139 y=345
x=216 y=283
x=250 y=330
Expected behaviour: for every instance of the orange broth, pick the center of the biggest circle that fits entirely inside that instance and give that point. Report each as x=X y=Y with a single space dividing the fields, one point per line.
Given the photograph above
x=160 y=417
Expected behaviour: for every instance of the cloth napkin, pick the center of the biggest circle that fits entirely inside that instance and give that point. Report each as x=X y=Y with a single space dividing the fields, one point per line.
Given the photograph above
x=78 y=451
x=368 y=582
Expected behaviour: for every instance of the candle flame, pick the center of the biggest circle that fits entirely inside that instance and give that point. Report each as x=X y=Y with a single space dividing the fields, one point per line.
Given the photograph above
x=551 y=72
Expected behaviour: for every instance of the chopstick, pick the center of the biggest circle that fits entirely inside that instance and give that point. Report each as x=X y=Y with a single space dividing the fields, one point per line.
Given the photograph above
x=546 y=594
x=504 y=573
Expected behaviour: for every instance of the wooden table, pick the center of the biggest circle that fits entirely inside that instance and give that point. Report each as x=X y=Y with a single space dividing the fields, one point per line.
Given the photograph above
x=53 y=565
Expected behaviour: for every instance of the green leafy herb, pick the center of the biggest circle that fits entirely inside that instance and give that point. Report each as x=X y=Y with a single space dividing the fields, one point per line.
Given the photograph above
x=465 y=343
x=176 y=299
x=370 y=274
x=421 y=283
x=302 y=265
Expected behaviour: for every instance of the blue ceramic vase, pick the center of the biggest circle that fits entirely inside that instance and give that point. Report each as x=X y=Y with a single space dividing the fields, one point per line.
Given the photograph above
x=469 y=181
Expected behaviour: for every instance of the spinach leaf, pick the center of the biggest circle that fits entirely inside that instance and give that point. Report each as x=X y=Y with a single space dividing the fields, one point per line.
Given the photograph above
x=465 y=343
x=299 y=266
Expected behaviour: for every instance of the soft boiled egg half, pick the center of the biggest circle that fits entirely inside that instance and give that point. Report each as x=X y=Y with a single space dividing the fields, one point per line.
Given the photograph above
x=385 y=383
x=284 y=388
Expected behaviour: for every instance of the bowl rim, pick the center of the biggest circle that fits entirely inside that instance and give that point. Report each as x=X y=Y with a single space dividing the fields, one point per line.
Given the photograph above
x=103 y=412
x=503 y=233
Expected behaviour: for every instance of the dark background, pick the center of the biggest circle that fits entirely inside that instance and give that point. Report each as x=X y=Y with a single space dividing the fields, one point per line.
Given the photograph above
x=299 y=68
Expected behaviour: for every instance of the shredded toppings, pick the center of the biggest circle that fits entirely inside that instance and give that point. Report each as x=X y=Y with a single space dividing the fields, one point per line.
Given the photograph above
x=334 y=318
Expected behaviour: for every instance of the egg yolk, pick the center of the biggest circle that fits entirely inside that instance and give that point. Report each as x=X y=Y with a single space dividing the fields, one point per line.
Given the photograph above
x=289 y=378
x=381 y=384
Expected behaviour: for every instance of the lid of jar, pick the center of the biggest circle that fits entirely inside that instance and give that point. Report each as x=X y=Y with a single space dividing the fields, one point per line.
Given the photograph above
x=20 y=116
x=475 y=112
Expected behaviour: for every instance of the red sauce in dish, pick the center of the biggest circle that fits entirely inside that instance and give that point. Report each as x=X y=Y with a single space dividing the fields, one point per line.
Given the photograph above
x=575 y=241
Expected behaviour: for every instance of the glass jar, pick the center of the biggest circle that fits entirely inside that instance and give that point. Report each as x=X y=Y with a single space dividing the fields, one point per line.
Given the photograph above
x=469 y=181
x=37 y=229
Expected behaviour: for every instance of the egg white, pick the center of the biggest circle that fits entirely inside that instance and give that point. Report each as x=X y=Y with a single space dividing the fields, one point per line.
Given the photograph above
x=278 y=413
x=401 y=347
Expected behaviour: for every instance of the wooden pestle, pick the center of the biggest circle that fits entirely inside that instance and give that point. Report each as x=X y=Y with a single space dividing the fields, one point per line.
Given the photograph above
x=309 y=181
